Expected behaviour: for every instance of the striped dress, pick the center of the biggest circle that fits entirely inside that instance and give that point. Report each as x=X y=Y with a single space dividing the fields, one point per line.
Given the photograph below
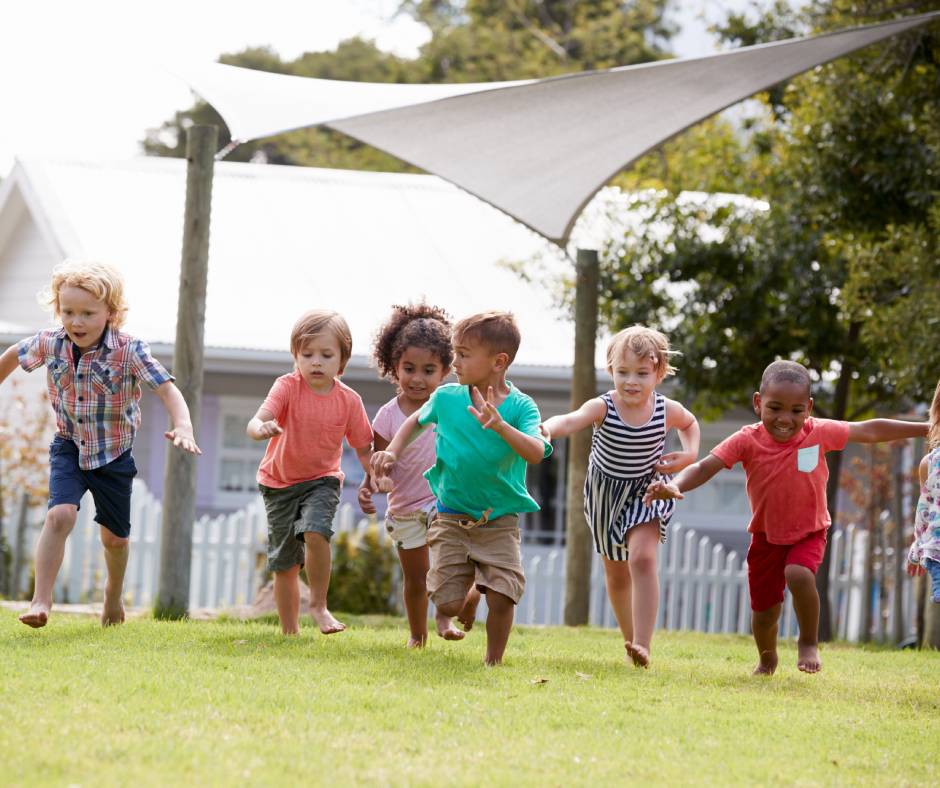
x=621 y=467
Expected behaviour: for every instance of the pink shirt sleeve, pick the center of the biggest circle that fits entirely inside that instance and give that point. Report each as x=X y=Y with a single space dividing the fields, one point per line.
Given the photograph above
x=358 y=429
x=383 y=424
x=732 y=449
x=276 y=401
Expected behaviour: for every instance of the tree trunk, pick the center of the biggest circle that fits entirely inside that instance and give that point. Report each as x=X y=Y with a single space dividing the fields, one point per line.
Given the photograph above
x=179 y=485
x=578 y=545
x=834 y=461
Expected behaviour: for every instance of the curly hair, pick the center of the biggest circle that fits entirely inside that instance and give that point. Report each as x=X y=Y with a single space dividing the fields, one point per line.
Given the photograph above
x=413 y=325
x=102 y=280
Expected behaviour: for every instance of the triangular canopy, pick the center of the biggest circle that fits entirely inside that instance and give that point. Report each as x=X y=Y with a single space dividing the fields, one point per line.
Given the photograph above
x=536 y=150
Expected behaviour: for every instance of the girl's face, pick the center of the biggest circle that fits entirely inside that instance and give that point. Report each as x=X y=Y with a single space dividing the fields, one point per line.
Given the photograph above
x=634 y=377
x=419 y=372
x=83 y=316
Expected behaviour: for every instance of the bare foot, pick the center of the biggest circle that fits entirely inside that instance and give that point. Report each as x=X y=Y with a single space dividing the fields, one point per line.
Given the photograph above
x=468 y=613
x=417 y=642
x=767 y=665
x=639 y=654
x=446 y=628
x=37 y=616
x=807 y=658
x=112 y=613
x=324 y=618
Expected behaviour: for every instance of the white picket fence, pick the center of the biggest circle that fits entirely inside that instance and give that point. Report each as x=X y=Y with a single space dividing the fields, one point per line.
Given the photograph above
x=702 y=586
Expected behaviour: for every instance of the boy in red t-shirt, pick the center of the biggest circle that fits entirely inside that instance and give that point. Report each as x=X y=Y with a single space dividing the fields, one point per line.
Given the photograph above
x=785 y=465
x=306 y=415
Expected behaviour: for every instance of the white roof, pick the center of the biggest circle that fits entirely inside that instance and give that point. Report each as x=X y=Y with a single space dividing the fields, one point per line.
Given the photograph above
x=288 y=239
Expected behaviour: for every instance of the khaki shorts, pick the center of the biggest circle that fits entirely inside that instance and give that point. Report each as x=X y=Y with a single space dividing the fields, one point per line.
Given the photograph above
x=464 y=553
x=409 y=531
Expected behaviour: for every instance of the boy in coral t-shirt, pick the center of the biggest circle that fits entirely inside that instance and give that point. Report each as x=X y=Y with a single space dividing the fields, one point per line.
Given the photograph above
x=785 y=466
x=306 y=415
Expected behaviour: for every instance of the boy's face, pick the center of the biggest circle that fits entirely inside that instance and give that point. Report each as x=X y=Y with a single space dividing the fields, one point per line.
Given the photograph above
x=783 y=407
x=83 y=316
x=634 y=377
x=318 y=361
x=475 y=363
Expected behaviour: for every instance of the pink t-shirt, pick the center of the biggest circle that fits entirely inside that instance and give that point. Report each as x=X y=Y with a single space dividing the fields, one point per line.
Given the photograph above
x=411 y=492
x=311 y=446
x=786 y=482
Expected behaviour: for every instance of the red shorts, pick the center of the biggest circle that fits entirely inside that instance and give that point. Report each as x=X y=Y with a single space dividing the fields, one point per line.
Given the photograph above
x=766 y=563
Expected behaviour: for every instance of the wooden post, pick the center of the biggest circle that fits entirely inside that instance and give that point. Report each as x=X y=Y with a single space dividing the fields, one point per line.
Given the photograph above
x=900 y=543
x=578 y=540
x=179 y=480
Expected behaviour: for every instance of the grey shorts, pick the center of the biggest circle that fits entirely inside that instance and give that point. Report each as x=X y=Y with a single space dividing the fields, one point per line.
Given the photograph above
x=296 y=510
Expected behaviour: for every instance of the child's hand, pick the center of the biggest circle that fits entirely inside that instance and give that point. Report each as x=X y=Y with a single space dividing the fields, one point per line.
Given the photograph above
x=184 y=439
x=381 y=464
x=915 y=569
x=484 y=411
x=365 y=497
x=675 y=461
x=545 y=433
x=659 y=490
x=269 y=429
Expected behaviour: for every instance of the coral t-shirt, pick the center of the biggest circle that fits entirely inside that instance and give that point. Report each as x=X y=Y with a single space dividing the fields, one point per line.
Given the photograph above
x=311 y=446
x=786 y=482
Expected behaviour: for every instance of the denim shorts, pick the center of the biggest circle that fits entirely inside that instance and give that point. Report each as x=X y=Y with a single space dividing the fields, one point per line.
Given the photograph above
x=110 y=485
x=933 y=571
x=295 y=510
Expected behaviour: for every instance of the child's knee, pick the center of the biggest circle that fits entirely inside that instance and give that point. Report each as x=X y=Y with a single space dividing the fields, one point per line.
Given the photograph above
x=113 y=542
x=797 y=575
x=642 y=561
x=61 y=518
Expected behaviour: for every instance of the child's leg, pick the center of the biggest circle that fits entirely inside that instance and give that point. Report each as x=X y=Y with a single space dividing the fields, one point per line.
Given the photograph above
x=619 y=592
x=60 y=520
x=643 y=543
x=498 y=625
x=116 y=552
x=802 y=584
x=287 y=599
x=414 y=568
x=318 y=564
x=764 y=627
x=933 y=570
x=467 y=614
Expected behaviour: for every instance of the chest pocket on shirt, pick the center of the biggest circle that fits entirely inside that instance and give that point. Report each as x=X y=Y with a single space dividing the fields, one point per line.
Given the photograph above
x=807 y=459
x=331 y=436
x=61 y=373
x=106 y=379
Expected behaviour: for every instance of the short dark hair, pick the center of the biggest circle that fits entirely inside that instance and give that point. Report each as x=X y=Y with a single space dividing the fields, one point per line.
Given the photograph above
x=789 y=371
x=497 y=330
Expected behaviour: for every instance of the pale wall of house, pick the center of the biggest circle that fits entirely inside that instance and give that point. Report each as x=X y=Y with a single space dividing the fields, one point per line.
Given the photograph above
x=25 y=265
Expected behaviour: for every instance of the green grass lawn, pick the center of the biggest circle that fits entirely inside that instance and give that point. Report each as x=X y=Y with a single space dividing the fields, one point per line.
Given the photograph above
x=229 y=702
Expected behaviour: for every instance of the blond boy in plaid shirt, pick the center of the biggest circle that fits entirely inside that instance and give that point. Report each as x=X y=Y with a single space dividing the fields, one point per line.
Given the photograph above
x=93 y=373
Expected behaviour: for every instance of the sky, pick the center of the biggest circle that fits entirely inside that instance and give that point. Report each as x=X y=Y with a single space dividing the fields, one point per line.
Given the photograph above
x=86 y=78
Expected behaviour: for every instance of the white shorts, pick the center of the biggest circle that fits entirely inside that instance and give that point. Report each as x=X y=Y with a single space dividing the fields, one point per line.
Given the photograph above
x=409 y=531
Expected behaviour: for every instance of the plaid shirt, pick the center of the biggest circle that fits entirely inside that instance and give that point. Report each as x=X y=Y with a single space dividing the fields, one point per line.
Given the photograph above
x=96 y=403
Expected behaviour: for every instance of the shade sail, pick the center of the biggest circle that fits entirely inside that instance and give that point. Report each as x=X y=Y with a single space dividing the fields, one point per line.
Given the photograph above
x=540 y=150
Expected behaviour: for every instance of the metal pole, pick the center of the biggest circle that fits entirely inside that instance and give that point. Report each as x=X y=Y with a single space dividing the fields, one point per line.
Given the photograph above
x=578 y=550
x=179 y=481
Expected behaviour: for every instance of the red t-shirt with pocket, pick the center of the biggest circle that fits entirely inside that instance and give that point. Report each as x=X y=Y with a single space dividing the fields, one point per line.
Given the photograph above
x=311 y=446
x=786 y=482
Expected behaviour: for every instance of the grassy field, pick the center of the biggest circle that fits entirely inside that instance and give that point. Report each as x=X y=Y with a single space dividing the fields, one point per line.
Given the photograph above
x=213 y=703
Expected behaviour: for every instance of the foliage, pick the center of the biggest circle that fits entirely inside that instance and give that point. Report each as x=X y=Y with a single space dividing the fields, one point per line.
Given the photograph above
x=26 y=425
x=222 y=703
x=364 y=570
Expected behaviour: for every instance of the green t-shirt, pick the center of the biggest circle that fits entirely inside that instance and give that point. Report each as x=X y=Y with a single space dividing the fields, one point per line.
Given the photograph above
x=476 y=469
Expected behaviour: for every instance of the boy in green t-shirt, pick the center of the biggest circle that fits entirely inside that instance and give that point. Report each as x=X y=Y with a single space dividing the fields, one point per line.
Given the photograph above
x=483 y=445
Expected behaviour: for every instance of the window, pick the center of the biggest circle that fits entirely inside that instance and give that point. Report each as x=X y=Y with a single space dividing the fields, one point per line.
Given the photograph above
x=239 y=456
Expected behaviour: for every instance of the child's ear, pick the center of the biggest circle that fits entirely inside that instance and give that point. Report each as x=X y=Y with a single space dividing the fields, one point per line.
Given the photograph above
x=755 y=400
x=809 y=407
x=501 y=361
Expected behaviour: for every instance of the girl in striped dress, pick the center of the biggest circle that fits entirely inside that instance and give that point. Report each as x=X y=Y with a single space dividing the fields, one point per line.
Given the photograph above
x=630 y=424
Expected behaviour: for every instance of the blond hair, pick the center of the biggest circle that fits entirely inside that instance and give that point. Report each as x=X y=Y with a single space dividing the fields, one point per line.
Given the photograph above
x=497 y=330
x=645 y=343
x=104 y=282
x=319 y=321
x=933 y=431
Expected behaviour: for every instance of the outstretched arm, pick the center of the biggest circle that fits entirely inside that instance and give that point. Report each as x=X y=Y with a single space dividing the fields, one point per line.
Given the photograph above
x=689 y=435
x=369 y=485
x=263 y=425
x=530 y=448
x=879 y=430
x=591 y=412
x=694 y=476
x=182 y=432
x=8 y=362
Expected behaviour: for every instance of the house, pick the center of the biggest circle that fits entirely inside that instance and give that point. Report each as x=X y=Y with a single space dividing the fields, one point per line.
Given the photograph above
x=284 y=240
